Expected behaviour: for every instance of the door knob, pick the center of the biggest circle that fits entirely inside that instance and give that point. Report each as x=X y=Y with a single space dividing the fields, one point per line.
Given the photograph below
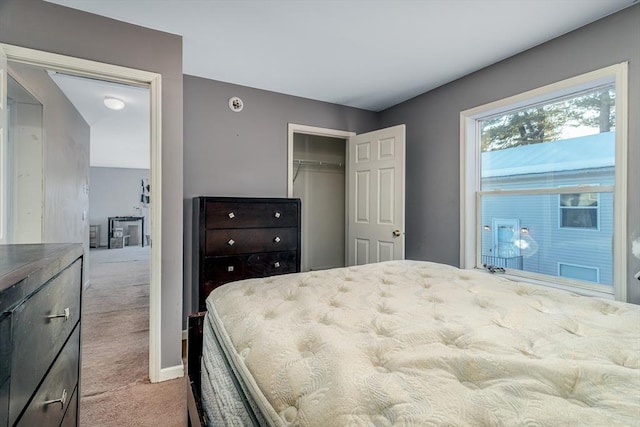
x=397 y=233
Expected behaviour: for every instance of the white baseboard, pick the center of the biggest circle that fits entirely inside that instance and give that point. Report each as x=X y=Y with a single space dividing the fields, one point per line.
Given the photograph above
x=171 y=372
x=185 y=335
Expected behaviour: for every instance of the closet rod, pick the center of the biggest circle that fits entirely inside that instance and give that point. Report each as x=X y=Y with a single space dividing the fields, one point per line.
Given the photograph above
x=302 y=162
x=317 y=163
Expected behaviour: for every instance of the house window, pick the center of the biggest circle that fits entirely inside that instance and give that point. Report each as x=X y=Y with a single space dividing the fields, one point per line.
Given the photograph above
x=533 y=158
x=578 y=272
x=579 y=210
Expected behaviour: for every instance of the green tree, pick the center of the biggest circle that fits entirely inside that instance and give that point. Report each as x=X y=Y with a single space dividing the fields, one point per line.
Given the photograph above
x=545 y=123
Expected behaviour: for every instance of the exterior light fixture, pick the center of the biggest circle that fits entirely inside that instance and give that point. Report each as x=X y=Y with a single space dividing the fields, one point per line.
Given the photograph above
x=487 y=228
x=113 y=103
x=524 y=230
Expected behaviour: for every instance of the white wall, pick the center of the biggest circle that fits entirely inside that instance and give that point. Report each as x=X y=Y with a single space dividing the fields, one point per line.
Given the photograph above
x=27 y=151
x=115 y=192
x=65 y=161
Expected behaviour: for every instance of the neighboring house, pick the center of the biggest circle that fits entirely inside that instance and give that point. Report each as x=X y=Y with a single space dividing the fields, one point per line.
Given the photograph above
x=558 y=234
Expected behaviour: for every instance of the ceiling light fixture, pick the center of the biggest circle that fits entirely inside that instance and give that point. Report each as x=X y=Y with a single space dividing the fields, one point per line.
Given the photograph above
x=113 y=103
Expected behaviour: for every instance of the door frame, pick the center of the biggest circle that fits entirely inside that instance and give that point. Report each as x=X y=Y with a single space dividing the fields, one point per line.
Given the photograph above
x=153 y=81
x=294 y=128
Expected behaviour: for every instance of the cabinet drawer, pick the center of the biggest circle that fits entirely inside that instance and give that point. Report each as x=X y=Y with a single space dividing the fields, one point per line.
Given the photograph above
x=5 y=367
x=59 y=383
x=71 y=416
x=246 y=214
x=247 y=267
x=5 y=349
x=4 y=403
x=37 y=337
x=246 y=240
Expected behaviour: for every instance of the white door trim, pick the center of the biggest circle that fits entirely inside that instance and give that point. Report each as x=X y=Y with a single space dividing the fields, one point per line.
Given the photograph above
x=4 y=150
x=153 y=81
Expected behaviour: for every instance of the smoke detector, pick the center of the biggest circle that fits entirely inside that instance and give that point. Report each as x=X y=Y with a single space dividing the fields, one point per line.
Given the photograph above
x=236 y=104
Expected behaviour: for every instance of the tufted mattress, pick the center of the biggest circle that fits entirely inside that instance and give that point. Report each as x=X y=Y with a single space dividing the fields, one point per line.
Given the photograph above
x=425 y=344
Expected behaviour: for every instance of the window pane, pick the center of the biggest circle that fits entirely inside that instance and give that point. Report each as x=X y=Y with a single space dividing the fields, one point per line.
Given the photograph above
x=579 y=199
x=579 y=272
x=524 y=232
x=579 y=218
x=568 y=142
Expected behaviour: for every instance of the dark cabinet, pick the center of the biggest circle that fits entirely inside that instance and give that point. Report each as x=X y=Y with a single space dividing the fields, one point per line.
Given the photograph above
x=237 y=238
x=40 y=307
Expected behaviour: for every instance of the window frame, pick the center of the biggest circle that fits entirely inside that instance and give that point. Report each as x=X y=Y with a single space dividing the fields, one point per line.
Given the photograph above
x=596 y=208
x=470 y=191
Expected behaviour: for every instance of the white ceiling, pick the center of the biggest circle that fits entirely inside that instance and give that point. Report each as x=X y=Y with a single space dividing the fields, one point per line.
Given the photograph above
x=370 y=54
x=118 y=138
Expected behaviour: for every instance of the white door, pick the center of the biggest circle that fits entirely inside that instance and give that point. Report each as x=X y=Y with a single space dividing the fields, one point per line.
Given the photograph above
x=4 y=150
x=375 y=183
x=506 y=233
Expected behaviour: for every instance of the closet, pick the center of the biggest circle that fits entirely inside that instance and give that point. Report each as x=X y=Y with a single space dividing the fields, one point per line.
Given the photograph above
x=319 y=182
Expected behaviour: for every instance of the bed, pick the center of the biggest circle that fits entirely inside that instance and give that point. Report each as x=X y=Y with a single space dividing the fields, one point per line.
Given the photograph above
x=411 y=343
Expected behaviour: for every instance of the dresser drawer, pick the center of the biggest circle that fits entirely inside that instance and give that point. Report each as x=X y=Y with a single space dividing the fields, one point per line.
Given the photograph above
x=38 y=337
x=221 y=214
x=4 y=403
x=59 y=383
x=5 y=367
x=246 y=240
x=71 y=416
x=221 y=270
x=5 y=349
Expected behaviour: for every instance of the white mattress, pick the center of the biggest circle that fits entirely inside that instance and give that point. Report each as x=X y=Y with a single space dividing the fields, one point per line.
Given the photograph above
x=417 y=343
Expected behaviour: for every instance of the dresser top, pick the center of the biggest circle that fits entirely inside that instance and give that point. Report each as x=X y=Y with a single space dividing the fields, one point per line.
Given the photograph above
x=23 y=268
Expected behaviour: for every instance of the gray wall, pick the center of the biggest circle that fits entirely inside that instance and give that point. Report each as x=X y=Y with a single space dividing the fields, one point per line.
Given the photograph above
x=433 y=130
x=244 y=153
x=44 y=26
x=115 y=192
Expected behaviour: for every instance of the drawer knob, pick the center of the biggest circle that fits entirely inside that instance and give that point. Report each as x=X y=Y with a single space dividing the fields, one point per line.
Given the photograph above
x=277 y=239
x=276 y=264
x=61 y=401
x=231 y=242
x=232 y=215
x=65 y=313
x=230 y=268
x=277 y=214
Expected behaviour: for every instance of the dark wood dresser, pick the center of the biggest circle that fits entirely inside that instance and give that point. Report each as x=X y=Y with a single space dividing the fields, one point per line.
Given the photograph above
x=238 y=238
x=40 y=302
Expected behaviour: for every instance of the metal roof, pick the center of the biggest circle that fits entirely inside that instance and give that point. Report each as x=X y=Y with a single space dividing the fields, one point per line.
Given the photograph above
x=585 y=152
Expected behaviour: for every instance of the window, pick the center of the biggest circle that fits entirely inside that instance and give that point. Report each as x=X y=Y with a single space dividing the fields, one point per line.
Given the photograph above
x=579 y=210
x=533 y=158
x=578 y=272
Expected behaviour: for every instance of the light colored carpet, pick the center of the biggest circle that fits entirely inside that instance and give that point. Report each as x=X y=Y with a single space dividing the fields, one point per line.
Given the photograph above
x=115 y=347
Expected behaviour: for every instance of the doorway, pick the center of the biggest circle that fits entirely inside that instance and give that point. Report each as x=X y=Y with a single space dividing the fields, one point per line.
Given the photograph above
x=317 y=166
x=319 y=182
x=151 y=80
